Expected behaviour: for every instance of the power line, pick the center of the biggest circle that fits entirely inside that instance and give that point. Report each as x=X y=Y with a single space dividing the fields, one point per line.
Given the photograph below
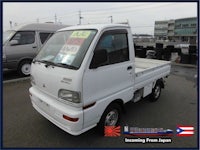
x=129 y=10
x=111 y=8
x=141 y=26
x=100 y=13
x=133 y=8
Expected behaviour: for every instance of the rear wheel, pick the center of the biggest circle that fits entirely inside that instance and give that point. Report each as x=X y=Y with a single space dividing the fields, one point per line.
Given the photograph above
x=156 y=92
x=110 y=117
x=24 y=68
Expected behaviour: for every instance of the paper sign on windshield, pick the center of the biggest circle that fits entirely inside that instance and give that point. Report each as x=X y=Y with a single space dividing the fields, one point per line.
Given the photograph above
x=80 y=34
x=72 y=46
x=75 y=41
x=70 y=49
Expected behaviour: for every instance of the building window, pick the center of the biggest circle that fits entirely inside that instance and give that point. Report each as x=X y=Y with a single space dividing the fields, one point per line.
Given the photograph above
x=178 y=26
x=193 y=25
x=185 y=25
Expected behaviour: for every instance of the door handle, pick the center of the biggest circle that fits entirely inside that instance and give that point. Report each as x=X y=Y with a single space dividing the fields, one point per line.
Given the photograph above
x=34 y=46
x=129 y=67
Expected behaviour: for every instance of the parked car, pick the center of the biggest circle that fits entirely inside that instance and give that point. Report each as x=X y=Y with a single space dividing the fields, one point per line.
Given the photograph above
x=21 y=45
x=151 y=54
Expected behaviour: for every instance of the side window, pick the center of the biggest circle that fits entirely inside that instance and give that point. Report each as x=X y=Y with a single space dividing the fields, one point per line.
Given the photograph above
x=44 y=36
x=24 y=37
x=115 y=43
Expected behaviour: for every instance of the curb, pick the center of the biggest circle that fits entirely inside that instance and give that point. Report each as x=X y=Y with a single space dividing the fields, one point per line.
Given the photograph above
x=183 y=65
x=16 y=80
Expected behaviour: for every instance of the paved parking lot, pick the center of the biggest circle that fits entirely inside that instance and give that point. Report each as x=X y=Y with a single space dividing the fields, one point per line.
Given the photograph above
x=25 y=127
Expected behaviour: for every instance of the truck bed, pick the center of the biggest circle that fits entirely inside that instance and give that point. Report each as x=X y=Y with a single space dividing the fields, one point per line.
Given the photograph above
x=148 y=70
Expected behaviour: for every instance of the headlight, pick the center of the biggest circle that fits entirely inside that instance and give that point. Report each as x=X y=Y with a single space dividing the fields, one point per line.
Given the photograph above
x=69 y=95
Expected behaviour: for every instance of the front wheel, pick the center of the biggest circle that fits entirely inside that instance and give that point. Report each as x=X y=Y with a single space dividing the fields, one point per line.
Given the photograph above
x=24 y=68
x=110 y=117
x=156 y=92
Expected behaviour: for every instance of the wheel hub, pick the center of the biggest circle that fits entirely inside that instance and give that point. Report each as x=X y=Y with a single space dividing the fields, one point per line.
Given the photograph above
x=26 y=69
x=157 y=91
x=111 y=118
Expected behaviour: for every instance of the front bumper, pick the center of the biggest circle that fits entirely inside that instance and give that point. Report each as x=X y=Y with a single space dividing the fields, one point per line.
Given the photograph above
x=54 y=110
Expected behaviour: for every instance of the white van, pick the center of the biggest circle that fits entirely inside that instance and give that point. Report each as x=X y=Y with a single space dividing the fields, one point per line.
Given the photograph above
x=84 y=75
x=21 y=45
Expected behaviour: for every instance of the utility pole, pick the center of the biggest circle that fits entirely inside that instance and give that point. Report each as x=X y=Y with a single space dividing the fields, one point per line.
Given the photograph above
x=128 y=22
x=55 y=18
x=10 y=24
x=59 y=21
x=111 y=19
x=80 y=17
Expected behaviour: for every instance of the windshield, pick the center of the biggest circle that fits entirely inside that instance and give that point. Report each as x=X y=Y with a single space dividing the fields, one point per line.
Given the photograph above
x=66 y=48
x=7 y=35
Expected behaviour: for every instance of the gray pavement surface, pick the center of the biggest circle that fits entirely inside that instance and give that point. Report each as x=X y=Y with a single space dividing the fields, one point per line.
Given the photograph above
x=188 y=72
x=24 y=127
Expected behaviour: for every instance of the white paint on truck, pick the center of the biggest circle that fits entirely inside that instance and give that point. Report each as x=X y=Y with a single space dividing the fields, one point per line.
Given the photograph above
x=84 y=74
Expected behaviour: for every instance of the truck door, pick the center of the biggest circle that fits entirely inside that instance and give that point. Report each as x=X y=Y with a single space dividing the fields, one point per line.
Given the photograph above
x=113 y=75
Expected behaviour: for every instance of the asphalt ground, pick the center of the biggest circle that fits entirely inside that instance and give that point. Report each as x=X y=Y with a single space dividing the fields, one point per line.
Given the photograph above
x=24 y=127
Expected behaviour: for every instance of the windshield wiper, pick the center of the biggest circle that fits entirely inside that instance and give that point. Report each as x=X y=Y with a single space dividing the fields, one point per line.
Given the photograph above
x=46 y=62
x=49 y=63
x=66 y=66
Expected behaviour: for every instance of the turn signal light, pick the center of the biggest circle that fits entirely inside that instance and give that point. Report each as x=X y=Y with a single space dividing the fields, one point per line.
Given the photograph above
x=70 y=119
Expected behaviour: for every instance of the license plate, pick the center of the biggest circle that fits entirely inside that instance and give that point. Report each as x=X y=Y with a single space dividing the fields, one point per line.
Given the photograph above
x=44 y=105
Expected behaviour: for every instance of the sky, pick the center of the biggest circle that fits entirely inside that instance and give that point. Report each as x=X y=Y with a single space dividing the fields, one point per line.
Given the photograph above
x=140 y=16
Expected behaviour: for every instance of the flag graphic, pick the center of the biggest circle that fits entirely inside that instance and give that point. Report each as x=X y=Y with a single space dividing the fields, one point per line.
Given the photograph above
x=185 y=130
x=112 y=131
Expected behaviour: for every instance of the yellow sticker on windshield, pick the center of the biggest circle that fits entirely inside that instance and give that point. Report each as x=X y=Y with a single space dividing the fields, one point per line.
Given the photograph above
x=80 y=34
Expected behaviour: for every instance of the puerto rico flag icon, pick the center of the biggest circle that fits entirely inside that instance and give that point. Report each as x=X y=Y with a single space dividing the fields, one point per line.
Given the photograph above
x=185 y=130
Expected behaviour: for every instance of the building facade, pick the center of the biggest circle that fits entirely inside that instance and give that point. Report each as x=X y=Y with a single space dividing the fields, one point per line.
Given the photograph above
x=184 y=30
x=171 y=27
x=161 y=30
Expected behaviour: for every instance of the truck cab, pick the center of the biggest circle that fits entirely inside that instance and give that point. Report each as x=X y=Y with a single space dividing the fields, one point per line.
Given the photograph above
x=84 y=75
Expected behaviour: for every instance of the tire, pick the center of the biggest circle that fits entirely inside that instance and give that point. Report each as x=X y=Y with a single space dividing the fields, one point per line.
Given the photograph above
x=24 y=68
x=154 y=96
x=110 y=117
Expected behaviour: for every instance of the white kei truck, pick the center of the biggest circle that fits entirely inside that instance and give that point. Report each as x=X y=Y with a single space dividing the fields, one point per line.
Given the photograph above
x=83 y=76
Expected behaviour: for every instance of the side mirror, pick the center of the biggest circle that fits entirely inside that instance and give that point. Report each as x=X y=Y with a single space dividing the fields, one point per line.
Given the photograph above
x=99 y=58
x=14 y=42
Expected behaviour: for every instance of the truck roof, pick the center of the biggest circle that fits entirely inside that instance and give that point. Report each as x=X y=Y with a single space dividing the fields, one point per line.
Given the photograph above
x=94 y=26
x=41 y=26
